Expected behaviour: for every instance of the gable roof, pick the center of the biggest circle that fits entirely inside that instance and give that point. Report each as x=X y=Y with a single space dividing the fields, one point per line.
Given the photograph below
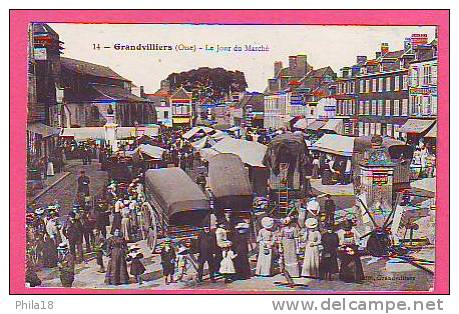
x=181 y=93
x=87 y=68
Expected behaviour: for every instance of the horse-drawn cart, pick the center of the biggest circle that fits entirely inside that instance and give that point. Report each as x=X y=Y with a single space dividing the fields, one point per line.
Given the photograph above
x=176 y=205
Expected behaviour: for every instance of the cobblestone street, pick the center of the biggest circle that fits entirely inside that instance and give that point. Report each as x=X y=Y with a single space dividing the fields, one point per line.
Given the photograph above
x=65 y=190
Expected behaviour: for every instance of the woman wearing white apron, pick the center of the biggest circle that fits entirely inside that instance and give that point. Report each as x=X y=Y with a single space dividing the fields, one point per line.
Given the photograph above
x=312 y=238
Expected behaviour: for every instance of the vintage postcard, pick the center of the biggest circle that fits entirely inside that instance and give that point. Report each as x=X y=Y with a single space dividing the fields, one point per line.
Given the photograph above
x=230 y=152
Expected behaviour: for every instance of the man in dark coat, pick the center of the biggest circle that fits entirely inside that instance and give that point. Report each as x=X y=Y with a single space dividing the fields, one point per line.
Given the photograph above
x=207 y=246
x=240 y=246
x=102 y=217
x=73 y=231
x=329 y=259
x=329 y=209
x=66 y=265
x=83 y=183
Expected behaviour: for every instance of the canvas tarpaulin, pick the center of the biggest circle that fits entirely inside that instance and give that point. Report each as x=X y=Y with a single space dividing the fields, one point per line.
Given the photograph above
x=250 y=152
x=335 y=144
x=176 y=193
x=416 y=126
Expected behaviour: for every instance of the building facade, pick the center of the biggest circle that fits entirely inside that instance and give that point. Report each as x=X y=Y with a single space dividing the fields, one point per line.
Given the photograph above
x=181 y=102
x=94 y=91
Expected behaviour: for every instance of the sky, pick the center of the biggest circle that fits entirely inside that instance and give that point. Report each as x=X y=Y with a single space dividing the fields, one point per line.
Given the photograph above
x=334 y=46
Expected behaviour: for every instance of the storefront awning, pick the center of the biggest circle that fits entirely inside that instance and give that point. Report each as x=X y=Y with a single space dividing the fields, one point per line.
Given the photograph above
x=335 y=144
x=180 y=120
x=432 y=132
x=43 y=129
x=315 y=125
x=416 y=126
x=426 y=186
x=334 y=125
x=301 y=124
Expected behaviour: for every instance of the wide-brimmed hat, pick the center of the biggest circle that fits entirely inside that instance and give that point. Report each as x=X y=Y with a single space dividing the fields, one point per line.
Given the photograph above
x=39 y=211
x=227 y=210
x=226 y=244
x=63 y=246
x=267 y=222
x=242 y=225
x=311 y=223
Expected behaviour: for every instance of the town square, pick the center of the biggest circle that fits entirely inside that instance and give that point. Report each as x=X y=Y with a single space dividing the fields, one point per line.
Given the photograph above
x=313 y=178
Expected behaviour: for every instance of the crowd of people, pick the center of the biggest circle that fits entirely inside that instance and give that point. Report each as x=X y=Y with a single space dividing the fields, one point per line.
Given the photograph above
x=306 y=243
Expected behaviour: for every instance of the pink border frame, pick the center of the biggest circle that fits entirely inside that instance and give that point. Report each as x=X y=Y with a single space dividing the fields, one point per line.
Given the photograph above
x=19 y=20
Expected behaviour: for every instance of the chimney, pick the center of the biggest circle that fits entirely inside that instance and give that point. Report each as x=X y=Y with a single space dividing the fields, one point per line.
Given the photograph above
x=277 y=67
x=292 y=64
x=302 y=65
x=345 y=72
x=142 y=91
x=272 y=85
x=384 y=48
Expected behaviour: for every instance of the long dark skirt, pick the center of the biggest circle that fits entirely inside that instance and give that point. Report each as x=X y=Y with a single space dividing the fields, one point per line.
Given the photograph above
x=117 y=272
x=351 y=269
x=116 y=223
x=49 y=254
x=328 y=264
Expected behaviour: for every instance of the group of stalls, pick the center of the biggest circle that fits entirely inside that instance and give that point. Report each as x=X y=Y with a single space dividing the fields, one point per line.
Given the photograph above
x=347 y=150
x=180 y=209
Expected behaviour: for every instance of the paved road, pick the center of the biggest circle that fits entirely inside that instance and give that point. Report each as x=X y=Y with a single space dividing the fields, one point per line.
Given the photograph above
x=65 y=191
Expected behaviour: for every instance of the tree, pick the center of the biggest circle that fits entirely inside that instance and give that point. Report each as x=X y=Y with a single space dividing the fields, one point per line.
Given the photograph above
x=209 y=83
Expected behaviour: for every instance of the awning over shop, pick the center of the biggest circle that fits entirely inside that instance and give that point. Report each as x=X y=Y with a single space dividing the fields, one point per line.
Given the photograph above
x=197 y=129
x=335 y=144
x=301 y=124
x=416 y=126
x=43 y=129
x=180 y=120
x=426 y=186
x=81 y=134
x=207 y=153
x=151 y=151
x=432 y=132
x=315 y=125
x=251 y=153
x=334 y=125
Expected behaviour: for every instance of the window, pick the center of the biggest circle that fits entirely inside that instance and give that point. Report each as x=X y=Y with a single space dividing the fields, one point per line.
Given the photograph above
x=373 y=89
x=404 y=107
x=426 y=110
x=405 y=82
x=427 y=75
x=361 y=89
x=373 y=107
x=434 y=104
x=352 y=87
x=414 y=77
x=388 y=84
x=367 y=107
x=361 y=129
x=367 y=86
x=396 y=107
x=434 y=75
x=380 y=107
x=388 y=111
x=396 y=83
x=361 y=105
x=389 y=129
x=166 y=114
x=380 y=85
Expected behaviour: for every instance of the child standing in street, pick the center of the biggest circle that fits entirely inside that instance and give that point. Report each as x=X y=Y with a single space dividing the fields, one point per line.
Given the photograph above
x=227 y=266
x=137 y=268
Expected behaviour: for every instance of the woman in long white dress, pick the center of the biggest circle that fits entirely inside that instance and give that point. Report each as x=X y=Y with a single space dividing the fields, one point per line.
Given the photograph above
x=289 y=240
x=312 y=240
x=265 y=241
